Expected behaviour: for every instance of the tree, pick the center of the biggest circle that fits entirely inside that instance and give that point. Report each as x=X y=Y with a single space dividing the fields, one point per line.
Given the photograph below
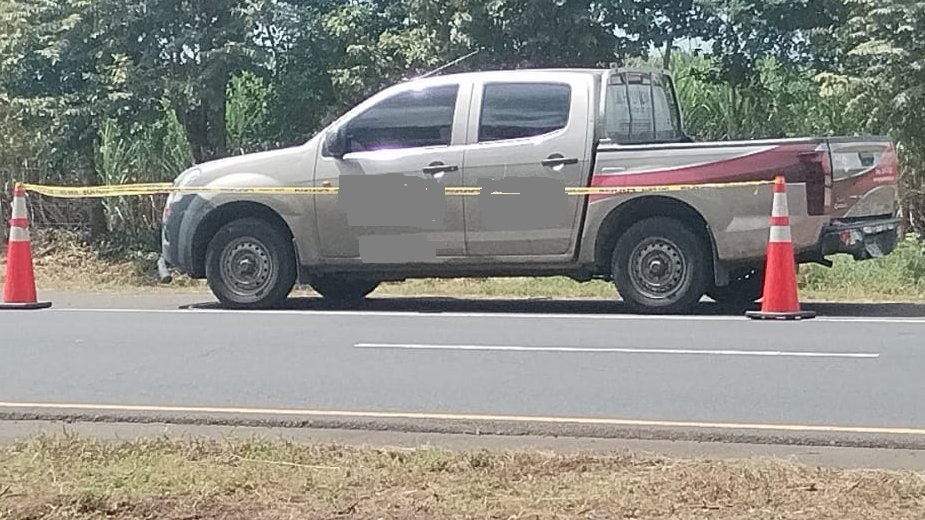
x=383 y=40
x=297 y=53
x=188 y=51
x=549 y=33
x=662 y=23
x=47 y=75
x=72 y=68
x=745 y=31
x=885 y=61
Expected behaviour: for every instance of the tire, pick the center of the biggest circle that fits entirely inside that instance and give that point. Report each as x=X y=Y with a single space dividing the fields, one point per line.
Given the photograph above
x=342 y=289
x=250 y=264
x=746 y=288
x=660 y=266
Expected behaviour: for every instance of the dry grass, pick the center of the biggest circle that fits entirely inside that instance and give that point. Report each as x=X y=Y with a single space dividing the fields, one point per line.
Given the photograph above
x=64 y=262
x=71 y=478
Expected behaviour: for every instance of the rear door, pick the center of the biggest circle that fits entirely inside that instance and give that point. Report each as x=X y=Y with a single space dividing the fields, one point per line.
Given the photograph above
x=529 y=139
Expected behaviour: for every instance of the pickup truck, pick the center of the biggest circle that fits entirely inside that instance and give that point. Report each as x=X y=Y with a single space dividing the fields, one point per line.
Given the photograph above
x=694 y=224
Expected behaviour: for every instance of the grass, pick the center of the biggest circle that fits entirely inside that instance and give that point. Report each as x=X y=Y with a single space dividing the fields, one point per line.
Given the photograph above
x=897 y=276
x=67 y=477
x=63 y=262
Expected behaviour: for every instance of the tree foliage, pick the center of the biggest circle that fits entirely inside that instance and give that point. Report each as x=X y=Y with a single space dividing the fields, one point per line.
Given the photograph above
x=884 y=63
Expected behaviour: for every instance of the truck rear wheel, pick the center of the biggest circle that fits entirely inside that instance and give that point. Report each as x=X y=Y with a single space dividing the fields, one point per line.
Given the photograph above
x=342 y=289
x=744 y=289
x=250 y=264
x=660 y=266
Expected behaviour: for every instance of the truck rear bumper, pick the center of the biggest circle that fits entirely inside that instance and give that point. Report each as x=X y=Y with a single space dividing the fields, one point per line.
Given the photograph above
x=862 y=239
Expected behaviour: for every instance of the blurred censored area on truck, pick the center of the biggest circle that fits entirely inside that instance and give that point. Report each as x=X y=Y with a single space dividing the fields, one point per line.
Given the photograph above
x=403 y=209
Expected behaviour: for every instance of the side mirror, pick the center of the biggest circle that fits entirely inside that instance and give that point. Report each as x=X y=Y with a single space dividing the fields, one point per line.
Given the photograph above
x=336 y=143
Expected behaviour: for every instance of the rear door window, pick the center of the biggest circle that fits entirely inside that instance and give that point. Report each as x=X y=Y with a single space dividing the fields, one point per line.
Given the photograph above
x=523 y=110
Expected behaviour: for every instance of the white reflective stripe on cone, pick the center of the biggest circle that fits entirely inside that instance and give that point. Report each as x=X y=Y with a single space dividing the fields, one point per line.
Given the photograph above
x=780 y=209
x=780 y=234
x=18 y=234
x=19 y=207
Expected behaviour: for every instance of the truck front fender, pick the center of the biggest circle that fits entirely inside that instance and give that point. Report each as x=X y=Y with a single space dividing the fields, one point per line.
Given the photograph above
x=204 y=213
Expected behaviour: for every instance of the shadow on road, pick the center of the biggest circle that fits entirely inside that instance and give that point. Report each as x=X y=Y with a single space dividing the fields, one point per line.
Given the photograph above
x=549 y=306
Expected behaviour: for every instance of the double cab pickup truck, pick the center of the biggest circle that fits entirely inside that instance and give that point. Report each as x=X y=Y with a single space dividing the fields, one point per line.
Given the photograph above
x=480 y=174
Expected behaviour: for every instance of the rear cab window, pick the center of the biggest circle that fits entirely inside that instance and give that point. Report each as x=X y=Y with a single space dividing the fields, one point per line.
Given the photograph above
x=640 y=108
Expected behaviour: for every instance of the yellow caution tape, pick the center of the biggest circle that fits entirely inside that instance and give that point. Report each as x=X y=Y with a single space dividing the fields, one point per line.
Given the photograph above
x=77 y=192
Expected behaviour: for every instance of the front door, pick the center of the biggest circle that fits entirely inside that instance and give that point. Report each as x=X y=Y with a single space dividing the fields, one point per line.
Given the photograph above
x=390 y=218
x=530 y=142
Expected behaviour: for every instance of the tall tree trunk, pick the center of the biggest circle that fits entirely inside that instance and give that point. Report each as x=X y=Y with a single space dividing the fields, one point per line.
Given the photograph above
x=193 y=121
x=98 y=220
x=666 y=58
x=732 y=112
x=214 y=104
x=204 y=121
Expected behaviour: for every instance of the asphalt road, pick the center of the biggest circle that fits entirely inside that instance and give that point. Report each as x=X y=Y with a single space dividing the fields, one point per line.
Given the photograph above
x=460 y=366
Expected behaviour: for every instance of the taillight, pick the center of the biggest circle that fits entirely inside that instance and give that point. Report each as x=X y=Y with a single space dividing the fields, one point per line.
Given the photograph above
x=826 y=162
x=818 y=178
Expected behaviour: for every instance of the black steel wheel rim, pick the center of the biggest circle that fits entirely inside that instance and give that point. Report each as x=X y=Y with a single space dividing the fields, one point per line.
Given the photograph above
x=658 y=268
x=247 y=267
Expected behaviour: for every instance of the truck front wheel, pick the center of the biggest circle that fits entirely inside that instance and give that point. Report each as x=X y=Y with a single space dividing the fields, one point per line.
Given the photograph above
x=660 y=266
x=250 y=264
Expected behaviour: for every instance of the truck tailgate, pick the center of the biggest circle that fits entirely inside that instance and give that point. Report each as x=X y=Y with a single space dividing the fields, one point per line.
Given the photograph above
x=865 y=173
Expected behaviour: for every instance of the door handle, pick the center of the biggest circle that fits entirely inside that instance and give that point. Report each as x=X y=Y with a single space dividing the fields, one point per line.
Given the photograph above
x=559 y=161
x=434 y=169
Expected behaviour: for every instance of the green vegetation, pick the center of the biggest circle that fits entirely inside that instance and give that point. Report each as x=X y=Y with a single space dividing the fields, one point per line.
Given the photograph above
x=71 y=478
x=116 y=91
x=783 y=101
x=898 y=276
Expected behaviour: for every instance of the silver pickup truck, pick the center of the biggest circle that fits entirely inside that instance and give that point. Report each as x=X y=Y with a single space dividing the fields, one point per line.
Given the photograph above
x=466 y=175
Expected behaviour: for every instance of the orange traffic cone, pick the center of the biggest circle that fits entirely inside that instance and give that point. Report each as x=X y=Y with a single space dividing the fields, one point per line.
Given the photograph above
x=780 y=300
x=19 y=285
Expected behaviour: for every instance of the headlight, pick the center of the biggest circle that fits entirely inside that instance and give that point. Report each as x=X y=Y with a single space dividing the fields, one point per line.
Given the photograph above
x=184 y=179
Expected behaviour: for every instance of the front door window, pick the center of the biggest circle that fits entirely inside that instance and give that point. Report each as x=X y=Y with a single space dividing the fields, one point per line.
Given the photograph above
x=413 y=119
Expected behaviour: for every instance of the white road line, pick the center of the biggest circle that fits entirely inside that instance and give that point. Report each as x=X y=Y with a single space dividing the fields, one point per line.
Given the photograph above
x=609 y=350
x=508 y=315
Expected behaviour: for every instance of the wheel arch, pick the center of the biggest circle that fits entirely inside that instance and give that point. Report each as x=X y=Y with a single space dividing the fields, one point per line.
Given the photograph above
x=618 y=221
x=224 y=214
